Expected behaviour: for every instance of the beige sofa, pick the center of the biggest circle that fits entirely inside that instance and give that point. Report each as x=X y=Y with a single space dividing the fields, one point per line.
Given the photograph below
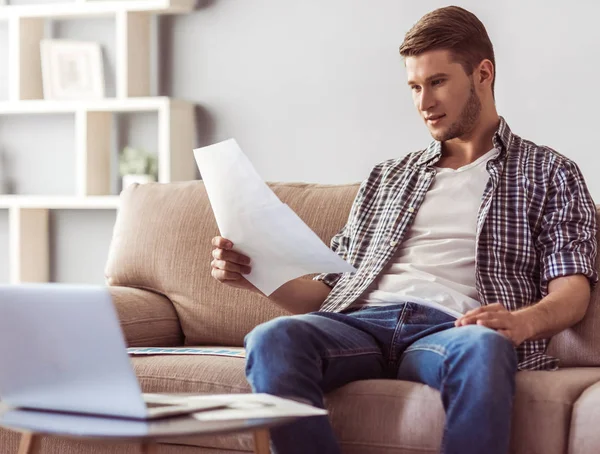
x=159 y=272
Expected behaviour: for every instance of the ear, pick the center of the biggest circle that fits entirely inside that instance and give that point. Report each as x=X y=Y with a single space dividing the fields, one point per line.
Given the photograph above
x=485 y=73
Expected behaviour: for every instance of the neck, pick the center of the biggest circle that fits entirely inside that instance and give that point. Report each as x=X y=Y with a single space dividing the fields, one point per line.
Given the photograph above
x=476 y=142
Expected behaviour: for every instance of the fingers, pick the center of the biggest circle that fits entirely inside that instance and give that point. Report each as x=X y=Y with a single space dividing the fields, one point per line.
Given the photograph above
x=490 y=320
x=220 y=242
x=471 y=317
x=494 y=323
x=230 y=256
x=468 y=319
x=231 y=267
x=465 y=321
x=497 y=318
x=225 y=276
x=223 y=251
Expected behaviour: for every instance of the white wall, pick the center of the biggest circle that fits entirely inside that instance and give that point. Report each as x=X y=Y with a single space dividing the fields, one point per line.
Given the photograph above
x=315 y=90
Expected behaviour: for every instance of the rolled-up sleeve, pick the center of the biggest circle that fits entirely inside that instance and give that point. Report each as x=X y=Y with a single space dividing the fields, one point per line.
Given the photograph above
x=567 y=240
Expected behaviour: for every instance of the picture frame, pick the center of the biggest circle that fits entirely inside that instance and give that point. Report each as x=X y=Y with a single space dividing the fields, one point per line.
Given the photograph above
x=72 y=70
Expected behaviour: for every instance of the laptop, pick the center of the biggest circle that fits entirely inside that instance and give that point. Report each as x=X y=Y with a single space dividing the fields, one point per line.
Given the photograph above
x=62 y=349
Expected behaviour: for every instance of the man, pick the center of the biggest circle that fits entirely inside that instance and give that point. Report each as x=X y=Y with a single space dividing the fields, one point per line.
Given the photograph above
x=470 y=255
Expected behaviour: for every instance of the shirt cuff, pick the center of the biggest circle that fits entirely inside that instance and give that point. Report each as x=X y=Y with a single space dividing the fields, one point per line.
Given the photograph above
x=328 y=278
x=562 y=264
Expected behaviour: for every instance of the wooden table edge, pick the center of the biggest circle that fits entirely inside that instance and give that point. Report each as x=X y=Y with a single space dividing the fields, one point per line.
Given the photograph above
x=30 y=443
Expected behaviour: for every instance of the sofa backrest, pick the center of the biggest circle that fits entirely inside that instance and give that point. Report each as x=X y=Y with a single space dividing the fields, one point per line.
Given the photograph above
x=162 y=242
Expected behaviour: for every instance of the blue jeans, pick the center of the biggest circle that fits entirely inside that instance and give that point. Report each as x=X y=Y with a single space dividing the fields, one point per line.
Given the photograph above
x=305 y=356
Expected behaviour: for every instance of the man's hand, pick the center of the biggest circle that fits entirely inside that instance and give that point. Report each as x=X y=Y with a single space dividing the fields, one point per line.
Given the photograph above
x=513 y=325
x=229 y=266
x=298 y=296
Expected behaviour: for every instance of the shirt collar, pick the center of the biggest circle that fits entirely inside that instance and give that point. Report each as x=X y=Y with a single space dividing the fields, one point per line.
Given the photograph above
x=502 y=139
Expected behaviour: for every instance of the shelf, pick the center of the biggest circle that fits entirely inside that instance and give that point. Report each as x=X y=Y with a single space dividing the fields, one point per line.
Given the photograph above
x=96 y=8
x=58 y=202
x=141 y=104
x=93 y=124
x=29 y=248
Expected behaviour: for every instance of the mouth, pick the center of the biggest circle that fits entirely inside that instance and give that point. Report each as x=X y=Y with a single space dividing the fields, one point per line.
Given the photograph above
x=434 y=119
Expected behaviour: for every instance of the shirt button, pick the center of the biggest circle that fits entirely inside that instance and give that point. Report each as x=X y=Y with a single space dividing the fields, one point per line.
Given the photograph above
x=393 y=243
x=411 y=209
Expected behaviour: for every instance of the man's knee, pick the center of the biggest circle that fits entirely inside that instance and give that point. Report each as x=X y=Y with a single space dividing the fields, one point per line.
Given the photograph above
x=279 y=331
x=487 y=344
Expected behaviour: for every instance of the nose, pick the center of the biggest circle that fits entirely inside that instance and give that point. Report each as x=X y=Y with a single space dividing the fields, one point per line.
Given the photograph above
x=425 y=100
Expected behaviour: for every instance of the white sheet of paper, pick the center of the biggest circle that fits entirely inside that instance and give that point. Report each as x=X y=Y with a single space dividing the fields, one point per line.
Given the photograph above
x=281 y=246
x=259 y=405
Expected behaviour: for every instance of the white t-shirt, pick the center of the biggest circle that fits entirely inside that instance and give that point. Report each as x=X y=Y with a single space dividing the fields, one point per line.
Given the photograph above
x=435 y=263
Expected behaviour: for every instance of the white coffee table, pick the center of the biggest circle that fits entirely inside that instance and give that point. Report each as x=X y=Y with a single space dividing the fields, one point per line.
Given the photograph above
x=35 y=424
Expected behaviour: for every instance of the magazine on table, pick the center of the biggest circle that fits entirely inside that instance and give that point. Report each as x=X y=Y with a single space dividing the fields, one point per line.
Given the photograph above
x=236 y=352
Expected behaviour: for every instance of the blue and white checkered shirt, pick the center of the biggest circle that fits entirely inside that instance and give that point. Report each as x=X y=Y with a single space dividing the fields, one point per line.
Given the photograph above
x=536 y=222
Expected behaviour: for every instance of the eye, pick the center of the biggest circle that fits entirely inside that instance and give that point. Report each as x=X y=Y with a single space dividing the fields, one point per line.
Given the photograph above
x=415 y=88
x=437 y=82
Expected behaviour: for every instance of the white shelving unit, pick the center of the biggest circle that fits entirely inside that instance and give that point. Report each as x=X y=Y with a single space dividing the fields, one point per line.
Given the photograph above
x=28 y=215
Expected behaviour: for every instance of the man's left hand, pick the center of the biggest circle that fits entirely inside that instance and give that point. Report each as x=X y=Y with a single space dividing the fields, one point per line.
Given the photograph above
x=513 y=325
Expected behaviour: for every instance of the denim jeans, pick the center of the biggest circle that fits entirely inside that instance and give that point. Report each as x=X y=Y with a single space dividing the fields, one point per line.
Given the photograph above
x=305 y=356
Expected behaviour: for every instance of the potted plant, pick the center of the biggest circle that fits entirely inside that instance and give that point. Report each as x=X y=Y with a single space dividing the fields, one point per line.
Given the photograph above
x=137 y=166
x=5 y=183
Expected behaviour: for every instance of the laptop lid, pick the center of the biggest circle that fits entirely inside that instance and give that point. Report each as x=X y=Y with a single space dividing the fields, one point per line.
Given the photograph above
x=62 y=349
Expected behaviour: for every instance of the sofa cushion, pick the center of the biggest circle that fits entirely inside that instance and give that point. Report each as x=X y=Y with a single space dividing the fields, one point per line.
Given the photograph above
x=544 y=406
x=585 y=436
x=203 y=374
x=406 y=417
x=383 y=416
x=162 y=242
x=146 y=318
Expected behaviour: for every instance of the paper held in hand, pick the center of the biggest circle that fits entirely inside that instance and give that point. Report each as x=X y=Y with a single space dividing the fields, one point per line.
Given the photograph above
x=281 y=246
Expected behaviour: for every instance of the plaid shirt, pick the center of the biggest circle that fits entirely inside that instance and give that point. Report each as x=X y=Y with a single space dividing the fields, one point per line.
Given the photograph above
x=536 y=222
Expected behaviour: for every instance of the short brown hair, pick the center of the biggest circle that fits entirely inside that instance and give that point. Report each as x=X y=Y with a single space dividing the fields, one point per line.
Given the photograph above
x=455 y=29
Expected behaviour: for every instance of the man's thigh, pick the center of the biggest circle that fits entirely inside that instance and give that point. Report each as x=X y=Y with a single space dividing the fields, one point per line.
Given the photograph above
x=346 y=350
x=345 y=347
x=471 y=350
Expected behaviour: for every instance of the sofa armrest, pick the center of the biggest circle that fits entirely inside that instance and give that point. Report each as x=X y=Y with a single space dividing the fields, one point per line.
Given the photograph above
x=584 y=436
x=147 y=318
